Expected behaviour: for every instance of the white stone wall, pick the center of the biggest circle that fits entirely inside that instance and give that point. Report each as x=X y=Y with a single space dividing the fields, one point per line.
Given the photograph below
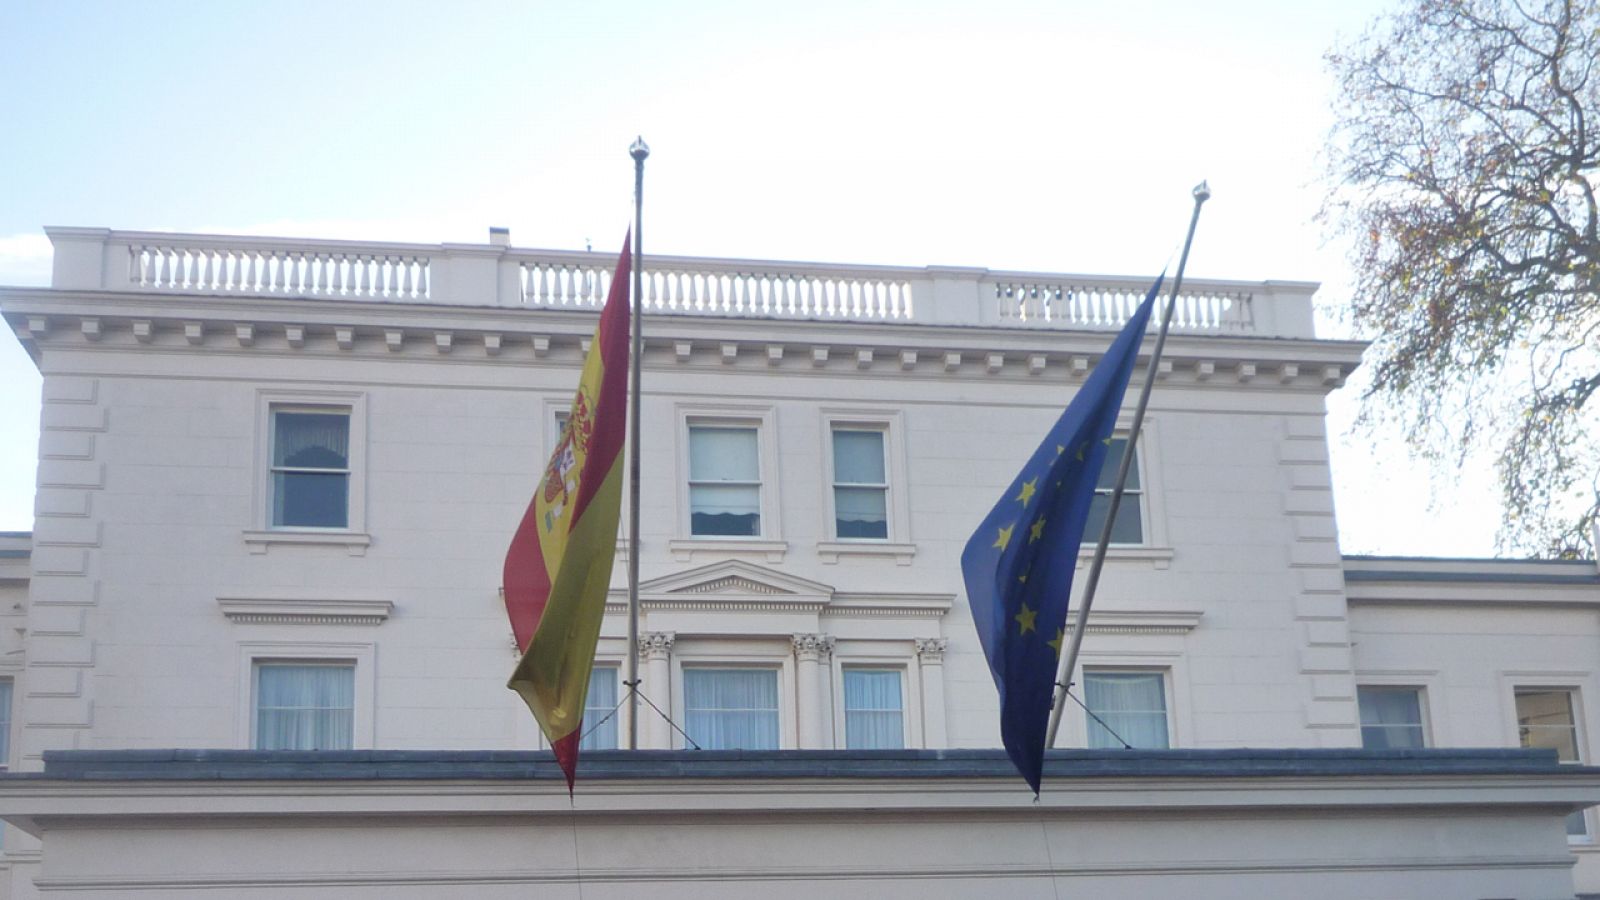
x=152 y=521
x=1468 y=656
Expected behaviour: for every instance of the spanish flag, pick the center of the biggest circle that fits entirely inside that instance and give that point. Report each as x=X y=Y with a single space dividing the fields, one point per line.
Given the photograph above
x=558 y=568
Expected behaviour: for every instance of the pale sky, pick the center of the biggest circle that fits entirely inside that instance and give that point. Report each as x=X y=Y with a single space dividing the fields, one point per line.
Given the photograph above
x=1050 y=136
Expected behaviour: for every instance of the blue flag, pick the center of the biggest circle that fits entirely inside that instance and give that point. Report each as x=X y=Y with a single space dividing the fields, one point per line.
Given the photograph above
x=1018 y=565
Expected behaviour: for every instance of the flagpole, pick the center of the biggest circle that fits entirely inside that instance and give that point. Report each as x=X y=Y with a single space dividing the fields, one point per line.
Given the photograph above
x=639 y=151
x=1069 y=660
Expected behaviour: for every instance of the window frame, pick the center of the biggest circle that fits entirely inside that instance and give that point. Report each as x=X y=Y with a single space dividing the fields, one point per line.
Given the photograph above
x=615 y=671
x=707 y=653
x=857 y=665
x=1580 y=687
x=9 y=711
x=354 y=534
x=360 y=656
x=778 y=689
x=1167 y=699
x=1423 y=718
x=704 y=426
x=260 y=665
x=1155 y=545
x=898 y=544
x=769 y=542
x=273 y=469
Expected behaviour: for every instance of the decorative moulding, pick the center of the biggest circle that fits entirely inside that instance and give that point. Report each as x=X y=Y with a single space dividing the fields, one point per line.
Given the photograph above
x=290 y=611
x=356 y=543
x=685 y=550
x=1309 y=366
x=830 y=551
x=1155 y=621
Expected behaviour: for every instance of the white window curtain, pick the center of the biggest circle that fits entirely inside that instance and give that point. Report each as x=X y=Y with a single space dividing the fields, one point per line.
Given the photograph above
x=311 y=440
x=1133 y=704
x=1391 y=718
x=305 y=707
x=601 y=702
x=724 y=481
x=860 y=489
x=873 y=714
x=731 y=709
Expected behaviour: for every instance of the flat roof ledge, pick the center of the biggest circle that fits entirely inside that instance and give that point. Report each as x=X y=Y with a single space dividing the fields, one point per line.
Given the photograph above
x=256 y=765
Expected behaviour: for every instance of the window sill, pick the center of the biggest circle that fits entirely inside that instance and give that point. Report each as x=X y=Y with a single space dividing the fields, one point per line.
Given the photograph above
x=355 y=542
x=830 y=551
x=1158 y=557
x=684 y=549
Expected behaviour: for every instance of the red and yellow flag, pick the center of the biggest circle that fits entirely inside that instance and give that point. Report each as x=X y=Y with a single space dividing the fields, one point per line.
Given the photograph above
x=558 y=568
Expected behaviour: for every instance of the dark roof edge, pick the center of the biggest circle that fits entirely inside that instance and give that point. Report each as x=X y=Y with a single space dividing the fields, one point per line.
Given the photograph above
x=450 y=765
x=1361 y=575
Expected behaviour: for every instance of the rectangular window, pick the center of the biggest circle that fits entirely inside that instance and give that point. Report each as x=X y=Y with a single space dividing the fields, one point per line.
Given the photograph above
x=860 y=484
x=1391 y=718
x=310 y=467
x=724 y=481
x=1545 y=718
x=1131 y=704
x=5 y=723
x=874 y=718
x=602 y=702
x=731 y=709
x=1129 y=526
x=304 y=706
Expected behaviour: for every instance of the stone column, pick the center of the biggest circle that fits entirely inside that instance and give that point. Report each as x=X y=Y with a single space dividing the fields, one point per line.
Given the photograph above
x=655 y=648
x=810 y=651
x=930 y=662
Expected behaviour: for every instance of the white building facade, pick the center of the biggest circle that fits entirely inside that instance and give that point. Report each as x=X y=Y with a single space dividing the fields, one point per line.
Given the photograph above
x=277 y=479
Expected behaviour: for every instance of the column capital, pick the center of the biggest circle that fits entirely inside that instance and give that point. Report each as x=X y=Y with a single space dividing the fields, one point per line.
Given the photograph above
x=813 y=646
x=931 y=650
x=656 y=644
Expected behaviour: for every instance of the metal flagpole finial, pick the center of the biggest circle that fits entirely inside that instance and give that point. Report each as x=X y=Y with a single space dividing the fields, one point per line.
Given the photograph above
x=1202 y=192
x=639 y=149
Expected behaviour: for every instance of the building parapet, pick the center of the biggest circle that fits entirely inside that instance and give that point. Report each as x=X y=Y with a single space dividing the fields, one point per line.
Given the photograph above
x=497 y=275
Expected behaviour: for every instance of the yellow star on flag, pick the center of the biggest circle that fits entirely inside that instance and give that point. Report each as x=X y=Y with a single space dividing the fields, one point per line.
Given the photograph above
x=1081 y=448
x=1005 y=536
x=1107 y=441
x=1061 y=634
x=1060 y=449
x=1037 y=531
x=1025 y=619
x=1027 y=491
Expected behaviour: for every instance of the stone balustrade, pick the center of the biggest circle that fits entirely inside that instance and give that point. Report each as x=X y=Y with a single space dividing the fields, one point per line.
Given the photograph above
x=500 y=275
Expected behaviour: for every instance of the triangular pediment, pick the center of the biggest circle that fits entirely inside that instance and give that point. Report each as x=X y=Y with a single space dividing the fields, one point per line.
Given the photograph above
x=735 y=578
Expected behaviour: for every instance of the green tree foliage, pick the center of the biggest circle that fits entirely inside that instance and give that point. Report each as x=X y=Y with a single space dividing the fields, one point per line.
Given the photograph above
x=1464 y=162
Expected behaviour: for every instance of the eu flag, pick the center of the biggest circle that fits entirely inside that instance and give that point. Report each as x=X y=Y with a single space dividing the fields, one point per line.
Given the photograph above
x=1018 y=565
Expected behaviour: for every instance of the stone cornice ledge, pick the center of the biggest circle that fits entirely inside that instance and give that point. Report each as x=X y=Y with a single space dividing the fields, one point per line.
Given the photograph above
x=1139 y=621
x=163 y=783
x=287 y=611
x=354 y=542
